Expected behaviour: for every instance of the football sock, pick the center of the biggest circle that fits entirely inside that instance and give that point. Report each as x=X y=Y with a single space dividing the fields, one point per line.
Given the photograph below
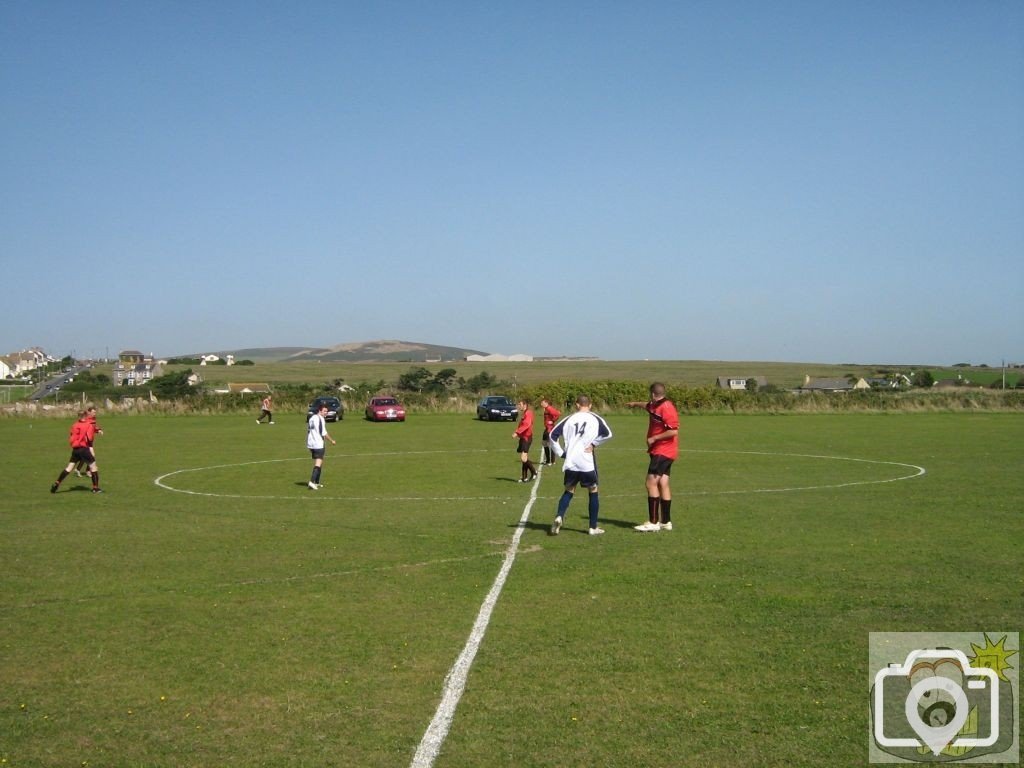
x=563 y=503
x=531 y=468
x=592 y=507
x=63 y=473
x=96 y=479
x=315 y=478
x=666 y=511
x=652 y=509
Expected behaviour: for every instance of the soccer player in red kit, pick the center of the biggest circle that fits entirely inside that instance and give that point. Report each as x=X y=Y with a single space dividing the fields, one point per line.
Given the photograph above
x=663 y=449
x=82 y=434
x=524 y=432
x=551 y=416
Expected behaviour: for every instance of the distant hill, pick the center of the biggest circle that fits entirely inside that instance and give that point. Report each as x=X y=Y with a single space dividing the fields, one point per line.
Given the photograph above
x=259 y=354
x=357 y=352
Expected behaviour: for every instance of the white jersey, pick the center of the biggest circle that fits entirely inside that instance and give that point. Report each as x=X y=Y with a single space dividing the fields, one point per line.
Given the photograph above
x=580 y=431
x=317 y=427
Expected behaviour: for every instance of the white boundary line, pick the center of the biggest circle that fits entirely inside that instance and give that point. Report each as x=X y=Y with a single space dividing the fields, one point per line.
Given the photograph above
x=919 y=471
x=159 y=481
x=455 y=681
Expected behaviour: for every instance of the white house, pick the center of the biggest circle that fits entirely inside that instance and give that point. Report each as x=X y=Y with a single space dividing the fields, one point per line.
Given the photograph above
x=740 y=382
x=499 y=358
x=134 y=368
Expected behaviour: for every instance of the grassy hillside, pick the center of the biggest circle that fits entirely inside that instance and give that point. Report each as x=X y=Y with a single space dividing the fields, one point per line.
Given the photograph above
x=681 y=373
x=689 y=373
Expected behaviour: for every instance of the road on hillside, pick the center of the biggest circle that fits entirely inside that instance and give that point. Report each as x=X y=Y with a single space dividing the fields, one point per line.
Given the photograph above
x=53 y=385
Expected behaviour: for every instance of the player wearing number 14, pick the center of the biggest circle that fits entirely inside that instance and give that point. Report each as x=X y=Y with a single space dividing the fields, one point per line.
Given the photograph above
x=582 y=432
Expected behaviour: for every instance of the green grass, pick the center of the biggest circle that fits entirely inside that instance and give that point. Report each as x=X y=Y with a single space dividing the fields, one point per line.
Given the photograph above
x=10 y=393
x=272 y=625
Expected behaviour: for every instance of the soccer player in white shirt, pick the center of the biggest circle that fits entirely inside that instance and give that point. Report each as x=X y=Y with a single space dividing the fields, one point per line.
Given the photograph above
x=315 y=435
x=582 y=432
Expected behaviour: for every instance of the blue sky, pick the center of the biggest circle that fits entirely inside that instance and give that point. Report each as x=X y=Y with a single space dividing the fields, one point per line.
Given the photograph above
x=800 y=181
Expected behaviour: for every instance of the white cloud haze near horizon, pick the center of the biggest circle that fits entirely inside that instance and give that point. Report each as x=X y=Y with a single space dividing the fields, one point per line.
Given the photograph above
x=793 y=181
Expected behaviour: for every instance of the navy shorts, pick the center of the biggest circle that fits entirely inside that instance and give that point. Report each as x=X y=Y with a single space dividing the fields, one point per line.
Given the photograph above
x=317 y=453
x=575 y=477
x=524 y=444
x=660 y=465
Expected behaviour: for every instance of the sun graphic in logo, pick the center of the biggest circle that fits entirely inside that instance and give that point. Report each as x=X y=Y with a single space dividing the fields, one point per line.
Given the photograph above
x=993 y=657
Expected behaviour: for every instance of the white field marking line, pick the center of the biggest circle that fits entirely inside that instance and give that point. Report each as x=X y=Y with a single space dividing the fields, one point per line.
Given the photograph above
x=455 y=681
x=918 y=473
x=159 y=481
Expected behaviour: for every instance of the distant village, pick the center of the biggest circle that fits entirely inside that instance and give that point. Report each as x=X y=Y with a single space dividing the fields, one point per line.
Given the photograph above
x=21 y=365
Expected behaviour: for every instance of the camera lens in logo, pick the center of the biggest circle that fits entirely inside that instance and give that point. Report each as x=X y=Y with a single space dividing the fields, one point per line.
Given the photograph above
x=945 y=719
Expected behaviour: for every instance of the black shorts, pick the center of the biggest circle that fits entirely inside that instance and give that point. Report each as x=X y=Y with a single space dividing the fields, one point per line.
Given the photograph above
x=524 y=444
x=660 y=465
x=575 y=477
x=317 y=453
x=81 y=454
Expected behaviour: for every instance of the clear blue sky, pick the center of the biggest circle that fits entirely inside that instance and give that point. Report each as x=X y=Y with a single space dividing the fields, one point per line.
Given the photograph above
x=805 y=181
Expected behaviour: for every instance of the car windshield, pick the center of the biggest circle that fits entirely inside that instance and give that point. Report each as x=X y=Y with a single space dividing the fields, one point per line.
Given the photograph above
x=498 y=401
x=385 y=401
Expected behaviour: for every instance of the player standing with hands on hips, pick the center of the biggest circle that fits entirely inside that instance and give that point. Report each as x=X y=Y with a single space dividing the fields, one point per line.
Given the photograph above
x=583 y=431
x=315 y=435
x=663 y=448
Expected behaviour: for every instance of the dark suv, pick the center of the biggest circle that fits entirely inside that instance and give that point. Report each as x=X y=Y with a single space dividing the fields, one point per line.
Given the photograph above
x=335 y=408
x=495 y=408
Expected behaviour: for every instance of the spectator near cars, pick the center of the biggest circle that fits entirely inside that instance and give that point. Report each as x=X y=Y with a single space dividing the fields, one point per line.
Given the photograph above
x=335 y=408
x=496 y=408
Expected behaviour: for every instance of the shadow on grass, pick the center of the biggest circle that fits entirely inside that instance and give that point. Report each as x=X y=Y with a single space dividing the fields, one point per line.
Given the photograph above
x=532 y=525
x=74 y=488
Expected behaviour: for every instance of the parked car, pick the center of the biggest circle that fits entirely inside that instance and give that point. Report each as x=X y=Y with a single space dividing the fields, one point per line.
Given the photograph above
x=335 y=408
x=496 y=408
x=385 y=409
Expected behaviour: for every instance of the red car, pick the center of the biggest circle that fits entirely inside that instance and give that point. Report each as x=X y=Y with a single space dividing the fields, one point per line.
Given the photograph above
x=385 y=409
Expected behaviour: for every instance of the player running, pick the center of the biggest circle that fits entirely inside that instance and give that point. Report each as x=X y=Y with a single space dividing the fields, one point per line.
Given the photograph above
x=82 y=434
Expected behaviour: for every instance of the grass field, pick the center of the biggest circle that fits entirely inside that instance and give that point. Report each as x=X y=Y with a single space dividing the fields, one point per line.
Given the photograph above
x=209 y=610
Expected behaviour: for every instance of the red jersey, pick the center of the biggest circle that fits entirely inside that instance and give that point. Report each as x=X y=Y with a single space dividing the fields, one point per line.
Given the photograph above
x=525 y=428
x=551 y=415
x=95 y=429
x=82 y=433
x=663 y=417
